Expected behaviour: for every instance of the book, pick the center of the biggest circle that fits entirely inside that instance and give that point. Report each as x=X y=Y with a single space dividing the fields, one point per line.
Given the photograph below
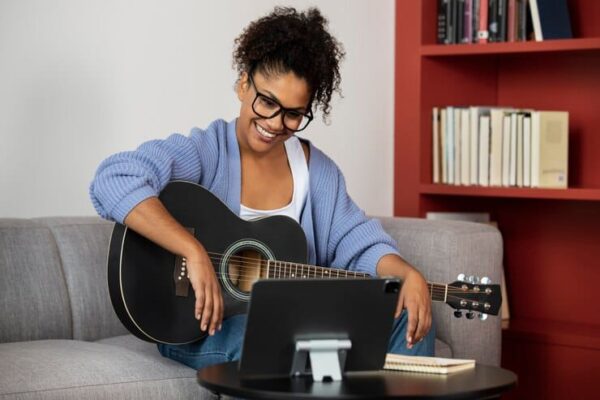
x=484 y=150
x=464 y=146
x=430 y=365
x=441 y=21
x=527 y=150
x=496 y=136
x=482 y=31
x=436 y=145
x=549 y=149
x=506 y=150
x=550 y=19
x=443 y=139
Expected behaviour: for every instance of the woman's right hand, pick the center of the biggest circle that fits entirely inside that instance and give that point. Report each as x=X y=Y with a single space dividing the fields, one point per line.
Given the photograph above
x=151 y=219
x=209 y=301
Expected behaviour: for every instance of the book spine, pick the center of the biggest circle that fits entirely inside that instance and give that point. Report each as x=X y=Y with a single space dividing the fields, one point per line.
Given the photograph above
x=441 y=21
x=535 y=19
x=482 y=31
x=468 y=22
x=493 y=20
x=475 y=20
x=436 y=146
x=460 y=19
x=502 y=20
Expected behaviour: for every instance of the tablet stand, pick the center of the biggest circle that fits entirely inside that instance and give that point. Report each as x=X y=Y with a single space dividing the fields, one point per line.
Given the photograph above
x=327 y=358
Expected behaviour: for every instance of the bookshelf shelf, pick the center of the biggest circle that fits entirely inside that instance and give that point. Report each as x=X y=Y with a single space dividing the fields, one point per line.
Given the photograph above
x=582 y=194
x=565 y=45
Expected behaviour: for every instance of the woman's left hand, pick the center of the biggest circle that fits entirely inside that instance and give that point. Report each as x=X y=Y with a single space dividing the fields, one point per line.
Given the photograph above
x=414 y=296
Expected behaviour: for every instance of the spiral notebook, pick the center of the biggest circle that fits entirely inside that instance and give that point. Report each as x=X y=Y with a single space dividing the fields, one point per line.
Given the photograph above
x=430 y=365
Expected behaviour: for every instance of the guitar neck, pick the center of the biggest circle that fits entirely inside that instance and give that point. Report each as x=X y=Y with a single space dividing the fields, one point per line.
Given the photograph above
x=288 y=270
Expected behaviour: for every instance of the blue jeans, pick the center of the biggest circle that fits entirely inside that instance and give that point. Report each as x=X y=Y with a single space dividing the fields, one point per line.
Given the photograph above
x=226 y=345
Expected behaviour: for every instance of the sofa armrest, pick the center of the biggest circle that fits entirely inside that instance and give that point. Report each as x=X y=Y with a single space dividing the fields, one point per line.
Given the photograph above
x=442 y=250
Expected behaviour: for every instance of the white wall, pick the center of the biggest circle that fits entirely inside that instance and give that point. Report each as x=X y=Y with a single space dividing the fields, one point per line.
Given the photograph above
x=80 y=80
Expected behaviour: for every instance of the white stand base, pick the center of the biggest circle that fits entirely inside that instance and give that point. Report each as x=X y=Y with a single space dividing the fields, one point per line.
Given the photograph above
x=327 y=358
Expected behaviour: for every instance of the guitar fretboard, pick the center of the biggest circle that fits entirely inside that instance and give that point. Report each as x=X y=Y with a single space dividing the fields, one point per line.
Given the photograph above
x=288 y=270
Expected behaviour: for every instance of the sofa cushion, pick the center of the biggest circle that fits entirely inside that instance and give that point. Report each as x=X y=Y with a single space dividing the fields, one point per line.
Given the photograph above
x=33 y=295
x=83 y=247
x=70 y=369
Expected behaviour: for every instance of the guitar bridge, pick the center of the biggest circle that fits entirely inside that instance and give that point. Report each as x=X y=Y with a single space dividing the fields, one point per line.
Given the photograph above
x=180 y=274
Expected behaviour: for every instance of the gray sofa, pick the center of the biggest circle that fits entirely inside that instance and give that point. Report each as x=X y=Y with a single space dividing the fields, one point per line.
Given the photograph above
x=60 y=339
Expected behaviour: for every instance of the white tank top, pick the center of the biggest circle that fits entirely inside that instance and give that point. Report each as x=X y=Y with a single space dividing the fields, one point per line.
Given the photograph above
x=297 y=161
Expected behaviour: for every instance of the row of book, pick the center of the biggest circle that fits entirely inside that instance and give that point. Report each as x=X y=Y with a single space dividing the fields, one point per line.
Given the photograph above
x=500 y=146
x=483 y=21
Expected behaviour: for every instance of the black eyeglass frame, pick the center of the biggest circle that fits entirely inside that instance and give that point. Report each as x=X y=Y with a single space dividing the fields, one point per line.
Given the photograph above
x=282 y=110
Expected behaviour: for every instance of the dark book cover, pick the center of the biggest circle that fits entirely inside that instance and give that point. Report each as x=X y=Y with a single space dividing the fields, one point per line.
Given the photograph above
x=460 y=19
x=554 y=19
x=493 y=20
x=441 y=21
x=451 y=22
x=502 y=20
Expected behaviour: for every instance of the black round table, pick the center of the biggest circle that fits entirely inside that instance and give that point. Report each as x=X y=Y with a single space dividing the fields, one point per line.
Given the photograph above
x=481 y=382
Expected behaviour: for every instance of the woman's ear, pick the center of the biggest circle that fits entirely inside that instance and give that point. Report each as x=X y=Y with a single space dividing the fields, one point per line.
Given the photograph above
x=242 y=85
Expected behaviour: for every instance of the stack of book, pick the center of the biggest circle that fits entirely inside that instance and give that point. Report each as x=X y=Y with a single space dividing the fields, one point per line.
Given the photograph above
x=500 y=146
x=484 y=21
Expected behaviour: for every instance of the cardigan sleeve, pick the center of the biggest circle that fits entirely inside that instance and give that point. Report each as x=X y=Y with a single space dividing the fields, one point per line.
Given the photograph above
x=355 y=242
x=125 y=179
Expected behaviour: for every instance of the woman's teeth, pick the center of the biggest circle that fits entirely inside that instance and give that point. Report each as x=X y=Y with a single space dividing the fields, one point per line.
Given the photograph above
x=264 y=133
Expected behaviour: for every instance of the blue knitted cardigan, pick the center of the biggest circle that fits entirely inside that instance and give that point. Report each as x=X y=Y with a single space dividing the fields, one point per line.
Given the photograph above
x=338 y=233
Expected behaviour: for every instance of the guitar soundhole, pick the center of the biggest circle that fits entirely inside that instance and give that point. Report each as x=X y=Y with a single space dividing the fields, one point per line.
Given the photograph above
x=243 y=265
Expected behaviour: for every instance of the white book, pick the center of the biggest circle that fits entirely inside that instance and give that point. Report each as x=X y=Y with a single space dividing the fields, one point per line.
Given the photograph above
x=496 y=119
x=435 y=140
x=484 y=150
x=505 y=150
x=535 y=19
x=519 y=150
x=443 y=144
x=457 y=152
x=512 y=167
x=450 y=143
x=549 y=149
x=474 y=145
x=527 y=150
x=465 y=136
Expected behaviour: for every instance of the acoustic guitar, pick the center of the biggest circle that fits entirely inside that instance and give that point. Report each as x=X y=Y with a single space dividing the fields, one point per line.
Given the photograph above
x=153 y=298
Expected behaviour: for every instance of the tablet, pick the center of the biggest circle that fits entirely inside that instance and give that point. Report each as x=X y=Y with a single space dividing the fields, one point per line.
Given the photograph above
x=283 y=312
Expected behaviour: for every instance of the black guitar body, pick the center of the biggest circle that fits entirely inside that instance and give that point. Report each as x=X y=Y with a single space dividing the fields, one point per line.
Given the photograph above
x=148 y=285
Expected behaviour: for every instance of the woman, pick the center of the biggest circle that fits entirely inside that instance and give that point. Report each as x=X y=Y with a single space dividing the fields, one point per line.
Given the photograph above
x=288 y=65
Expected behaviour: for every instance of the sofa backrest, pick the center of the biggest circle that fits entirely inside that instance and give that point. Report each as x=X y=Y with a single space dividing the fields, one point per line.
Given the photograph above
x=53 y=279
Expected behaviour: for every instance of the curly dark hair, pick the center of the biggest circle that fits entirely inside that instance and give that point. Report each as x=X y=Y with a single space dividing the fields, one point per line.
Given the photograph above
x=287 y=40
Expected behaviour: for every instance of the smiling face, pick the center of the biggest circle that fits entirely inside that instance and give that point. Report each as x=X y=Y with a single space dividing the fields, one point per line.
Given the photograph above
x=261 y=135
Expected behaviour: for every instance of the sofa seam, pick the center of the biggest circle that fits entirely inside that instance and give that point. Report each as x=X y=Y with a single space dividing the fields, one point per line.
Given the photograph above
x=66 y=282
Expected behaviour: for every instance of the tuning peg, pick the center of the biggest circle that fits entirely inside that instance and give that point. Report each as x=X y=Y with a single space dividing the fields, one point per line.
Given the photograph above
x=471 y=279
x=458 y=314
x=461 y=277
x=470 y=315
x=485 y=280
x=483 y=316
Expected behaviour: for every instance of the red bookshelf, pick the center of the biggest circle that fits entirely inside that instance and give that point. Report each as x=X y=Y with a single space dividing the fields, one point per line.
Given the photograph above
x=551 y=236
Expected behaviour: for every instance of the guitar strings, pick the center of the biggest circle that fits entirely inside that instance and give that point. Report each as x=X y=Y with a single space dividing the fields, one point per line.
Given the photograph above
x=254 y=262
x=434 y=292
x=435 y=289
x=265 y=263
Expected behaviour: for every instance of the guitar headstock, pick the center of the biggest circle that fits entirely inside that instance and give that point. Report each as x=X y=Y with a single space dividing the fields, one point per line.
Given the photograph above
x=473 y=294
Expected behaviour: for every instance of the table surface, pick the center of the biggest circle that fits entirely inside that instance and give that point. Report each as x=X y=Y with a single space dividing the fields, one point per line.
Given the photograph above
x=481 y=381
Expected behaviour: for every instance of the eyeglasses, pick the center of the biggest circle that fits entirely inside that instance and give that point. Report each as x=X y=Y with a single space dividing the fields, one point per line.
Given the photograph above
x=267 y=107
